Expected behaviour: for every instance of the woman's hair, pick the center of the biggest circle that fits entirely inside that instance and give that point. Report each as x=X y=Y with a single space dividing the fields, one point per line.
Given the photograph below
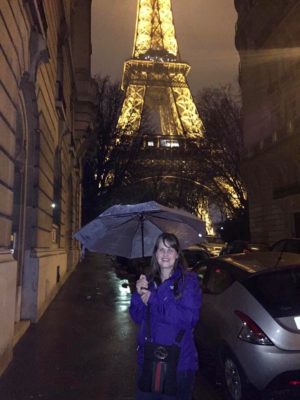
x=169 y=240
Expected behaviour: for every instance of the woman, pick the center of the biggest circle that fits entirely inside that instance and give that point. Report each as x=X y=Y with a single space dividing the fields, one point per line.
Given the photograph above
x=170 y=297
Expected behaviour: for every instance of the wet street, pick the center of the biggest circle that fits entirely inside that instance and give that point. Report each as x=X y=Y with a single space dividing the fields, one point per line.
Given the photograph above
x=83 y=348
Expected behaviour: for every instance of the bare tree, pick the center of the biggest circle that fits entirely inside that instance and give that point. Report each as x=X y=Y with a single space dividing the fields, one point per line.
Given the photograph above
x=96 y=167
x=110 y=152
x=221 y=148
x=110 y=170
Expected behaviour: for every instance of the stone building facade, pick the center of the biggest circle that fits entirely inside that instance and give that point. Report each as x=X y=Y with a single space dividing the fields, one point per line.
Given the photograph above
x=268 y=41
x=47 y=103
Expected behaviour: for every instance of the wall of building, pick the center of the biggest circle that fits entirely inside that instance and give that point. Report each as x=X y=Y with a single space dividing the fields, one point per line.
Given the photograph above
x=41 y=96
x=268 y=39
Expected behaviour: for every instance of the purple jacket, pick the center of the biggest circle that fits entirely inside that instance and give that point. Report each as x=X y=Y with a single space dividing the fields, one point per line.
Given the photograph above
x=169 y=315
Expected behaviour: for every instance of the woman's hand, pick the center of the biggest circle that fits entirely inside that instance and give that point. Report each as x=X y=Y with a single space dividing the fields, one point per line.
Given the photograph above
x=142 y=288
x=145 y=296
x=142 y=285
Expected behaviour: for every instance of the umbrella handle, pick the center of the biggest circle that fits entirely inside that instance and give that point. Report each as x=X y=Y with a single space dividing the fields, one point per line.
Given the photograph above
x=142 y=231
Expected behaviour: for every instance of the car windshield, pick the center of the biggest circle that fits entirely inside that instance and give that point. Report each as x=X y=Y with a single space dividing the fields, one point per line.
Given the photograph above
x=194 y=256
x=288 y=245
x=277 y=291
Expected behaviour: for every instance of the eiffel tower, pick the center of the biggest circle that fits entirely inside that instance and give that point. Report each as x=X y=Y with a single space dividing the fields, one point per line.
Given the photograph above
x=155 y=78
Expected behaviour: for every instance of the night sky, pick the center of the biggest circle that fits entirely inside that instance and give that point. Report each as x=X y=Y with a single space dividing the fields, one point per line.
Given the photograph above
x=204 y=30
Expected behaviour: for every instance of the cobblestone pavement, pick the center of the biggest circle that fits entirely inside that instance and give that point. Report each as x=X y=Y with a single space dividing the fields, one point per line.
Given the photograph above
x=83 y=348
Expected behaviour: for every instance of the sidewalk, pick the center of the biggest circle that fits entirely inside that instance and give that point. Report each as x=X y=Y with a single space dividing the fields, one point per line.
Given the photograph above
x=83 y=348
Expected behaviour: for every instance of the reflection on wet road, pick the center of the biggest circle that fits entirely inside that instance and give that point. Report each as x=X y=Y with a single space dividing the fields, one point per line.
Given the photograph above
x=84 y=347
x=121 y=290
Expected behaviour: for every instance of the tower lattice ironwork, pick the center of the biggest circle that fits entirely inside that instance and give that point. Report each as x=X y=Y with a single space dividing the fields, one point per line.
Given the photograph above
x=156 y=78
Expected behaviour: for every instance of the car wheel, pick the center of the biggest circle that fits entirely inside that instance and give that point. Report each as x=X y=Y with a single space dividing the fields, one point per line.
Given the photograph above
x=233 y=379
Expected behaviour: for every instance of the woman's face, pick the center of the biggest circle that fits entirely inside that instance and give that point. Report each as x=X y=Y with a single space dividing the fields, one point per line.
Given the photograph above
x=166 y=256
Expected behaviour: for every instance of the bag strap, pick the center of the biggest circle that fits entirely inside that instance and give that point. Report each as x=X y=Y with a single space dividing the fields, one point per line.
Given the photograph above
x=179 y=336
x=148 y=325
x=178 y=294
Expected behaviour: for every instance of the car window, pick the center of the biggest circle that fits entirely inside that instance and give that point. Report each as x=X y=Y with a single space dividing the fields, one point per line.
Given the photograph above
x=194 y=256
x=217 y=279
x=289 y=245
x=237 y=247
x=279 y=246
x=278 y=292
x=293 y=246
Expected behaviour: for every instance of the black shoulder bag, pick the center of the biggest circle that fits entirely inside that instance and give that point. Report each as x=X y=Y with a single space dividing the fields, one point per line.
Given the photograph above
x=160 y=364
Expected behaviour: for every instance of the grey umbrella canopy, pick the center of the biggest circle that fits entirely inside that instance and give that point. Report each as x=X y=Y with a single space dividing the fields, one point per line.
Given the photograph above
x=131 y=230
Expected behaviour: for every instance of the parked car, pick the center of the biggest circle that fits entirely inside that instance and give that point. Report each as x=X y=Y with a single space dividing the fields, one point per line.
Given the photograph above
x=243 y=246
x=250 y=323
x=195 y=255
x=291 y=245
x=214 y=245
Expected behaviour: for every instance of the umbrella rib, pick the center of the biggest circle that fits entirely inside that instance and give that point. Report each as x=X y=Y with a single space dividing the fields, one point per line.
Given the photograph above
x=137 y=228
x=133 y=214
x=168 y=219
x=121 y=232
x=138 y=217
x=145 y=214
x=124 y=222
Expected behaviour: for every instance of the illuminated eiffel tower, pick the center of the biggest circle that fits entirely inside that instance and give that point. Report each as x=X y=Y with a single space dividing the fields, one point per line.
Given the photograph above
x=155 y=79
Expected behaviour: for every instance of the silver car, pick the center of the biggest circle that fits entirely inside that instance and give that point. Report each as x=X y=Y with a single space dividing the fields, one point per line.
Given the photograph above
x=250 y=324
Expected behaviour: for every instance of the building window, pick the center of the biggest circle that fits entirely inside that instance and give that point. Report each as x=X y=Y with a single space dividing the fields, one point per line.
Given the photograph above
x=60 y=102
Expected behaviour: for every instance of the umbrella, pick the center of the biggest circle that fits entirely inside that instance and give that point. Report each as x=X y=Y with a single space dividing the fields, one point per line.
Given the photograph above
x=131 y=230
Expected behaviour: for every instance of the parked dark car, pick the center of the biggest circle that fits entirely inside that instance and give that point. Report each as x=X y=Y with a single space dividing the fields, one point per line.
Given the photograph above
x=243 y=246
x=195 y=255
x=291 y=245
x=249 y=329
